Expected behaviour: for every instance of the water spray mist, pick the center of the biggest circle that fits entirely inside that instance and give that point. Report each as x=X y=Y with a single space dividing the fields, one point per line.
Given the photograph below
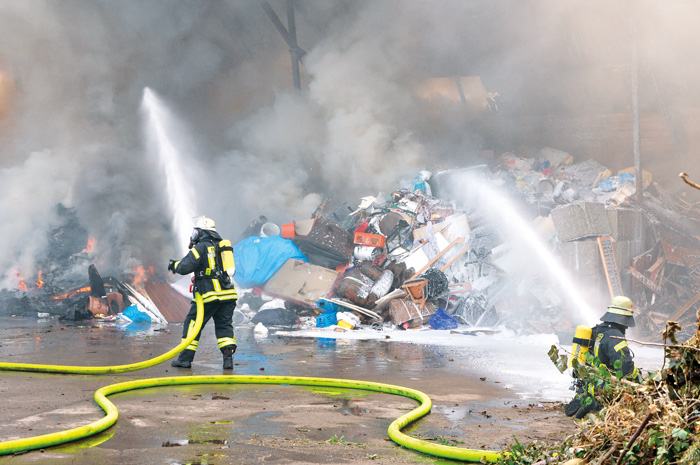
x=475 y=190
x=158 y=125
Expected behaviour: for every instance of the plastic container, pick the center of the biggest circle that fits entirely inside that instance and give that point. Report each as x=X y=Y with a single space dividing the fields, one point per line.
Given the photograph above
x=325 y=306
x=239 y=318
x=442 y=320
x=326 y=319
x=372 y=240
x=269 y=230
x=289 y=230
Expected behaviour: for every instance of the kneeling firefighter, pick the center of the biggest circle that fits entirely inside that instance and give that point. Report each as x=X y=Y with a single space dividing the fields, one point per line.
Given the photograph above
x=607 y=342
x=211 y=260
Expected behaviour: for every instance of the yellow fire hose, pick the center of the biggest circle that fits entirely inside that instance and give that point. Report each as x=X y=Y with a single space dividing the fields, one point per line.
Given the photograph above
x=62 y=437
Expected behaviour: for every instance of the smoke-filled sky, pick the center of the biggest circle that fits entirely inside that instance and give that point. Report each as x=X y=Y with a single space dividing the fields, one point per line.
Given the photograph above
x=379 y=101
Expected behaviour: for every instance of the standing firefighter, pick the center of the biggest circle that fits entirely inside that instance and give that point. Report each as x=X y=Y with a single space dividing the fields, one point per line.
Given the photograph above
x=211 y=260
x=607 y=342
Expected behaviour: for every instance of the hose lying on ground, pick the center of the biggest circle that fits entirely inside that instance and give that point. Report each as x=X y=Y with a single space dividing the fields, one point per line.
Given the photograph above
x=62 y=437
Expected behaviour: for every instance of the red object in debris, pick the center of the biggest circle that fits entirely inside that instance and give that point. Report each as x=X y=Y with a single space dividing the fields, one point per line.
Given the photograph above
x=372 y=240
x=363 y=227
x=379 y=261
x=289 y=230
x=257 y=291
x=547 y=172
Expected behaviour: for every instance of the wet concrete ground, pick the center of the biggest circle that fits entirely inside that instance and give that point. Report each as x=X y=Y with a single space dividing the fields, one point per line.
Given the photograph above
x=225 y=424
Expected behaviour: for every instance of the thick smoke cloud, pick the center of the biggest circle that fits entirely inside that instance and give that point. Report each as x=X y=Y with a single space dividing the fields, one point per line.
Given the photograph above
x=377 y=104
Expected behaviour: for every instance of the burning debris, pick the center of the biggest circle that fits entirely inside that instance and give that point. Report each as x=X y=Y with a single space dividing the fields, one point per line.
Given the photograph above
x=61 y=289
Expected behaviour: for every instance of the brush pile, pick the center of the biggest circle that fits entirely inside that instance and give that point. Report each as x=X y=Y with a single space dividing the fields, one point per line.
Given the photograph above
x=653 y=423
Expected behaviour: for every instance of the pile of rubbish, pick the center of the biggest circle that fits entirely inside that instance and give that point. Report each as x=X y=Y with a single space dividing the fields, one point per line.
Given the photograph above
x=432 y=253
x=424 y=256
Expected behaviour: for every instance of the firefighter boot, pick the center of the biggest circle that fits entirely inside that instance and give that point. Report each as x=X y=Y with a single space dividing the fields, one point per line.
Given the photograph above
x=228 y=356
x=184 y=360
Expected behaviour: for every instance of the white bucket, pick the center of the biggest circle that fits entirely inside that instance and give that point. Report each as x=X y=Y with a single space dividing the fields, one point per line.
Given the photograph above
x=269 y=229
x=239 y=318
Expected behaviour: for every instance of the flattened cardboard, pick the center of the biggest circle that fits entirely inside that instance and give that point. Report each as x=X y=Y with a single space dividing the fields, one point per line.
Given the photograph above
x=301 y=283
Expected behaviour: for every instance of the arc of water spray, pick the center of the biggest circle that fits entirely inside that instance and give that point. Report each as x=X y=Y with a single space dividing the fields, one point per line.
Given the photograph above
x=159 y=122
x=503 y=213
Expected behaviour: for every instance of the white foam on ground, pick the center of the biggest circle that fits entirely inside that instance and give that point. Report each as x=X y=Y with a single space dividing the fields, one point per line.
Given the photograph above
x=520 y=363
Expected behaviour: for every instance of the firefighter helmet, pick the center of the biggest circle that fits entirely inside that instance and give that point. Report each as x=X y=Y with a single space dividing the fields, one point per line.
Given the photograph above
x=620 y=312
x=201 y=224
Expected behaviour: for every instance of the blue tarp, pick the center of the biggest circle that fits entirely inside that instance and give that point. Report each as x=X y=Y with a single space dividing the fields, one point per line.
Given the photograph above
x=137 y=316
x=258 y=258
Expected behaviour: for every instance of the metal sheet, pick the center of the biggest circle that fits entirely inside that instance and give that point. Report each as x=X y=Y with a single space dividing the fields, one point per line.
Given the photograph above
x=173 y=305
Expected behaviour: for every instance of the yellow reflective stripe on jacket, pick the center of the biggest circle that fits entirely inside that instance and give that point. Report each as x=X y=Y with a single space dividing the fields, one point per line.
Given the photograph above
x=620 y=346
x=634 y=374
x=597 y=343
x=211 y=257
x=195 y=253
x=225 y=294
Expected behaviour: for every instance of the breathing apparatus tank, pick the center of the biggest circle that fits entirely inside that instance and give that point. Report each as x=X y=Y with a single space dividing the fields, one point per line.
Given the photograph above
x=581 y=344
x=226 y=252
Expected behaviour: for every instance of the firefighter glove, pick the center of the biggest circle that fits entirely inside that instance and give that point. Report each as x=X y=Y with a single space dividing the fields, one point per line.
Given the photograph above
x=171 y=266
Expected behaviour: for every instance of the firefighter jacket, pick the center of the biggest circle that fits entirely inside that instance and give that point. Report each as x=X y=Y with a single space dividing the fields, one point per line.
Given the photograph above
x=209 y=281
x=609 y=350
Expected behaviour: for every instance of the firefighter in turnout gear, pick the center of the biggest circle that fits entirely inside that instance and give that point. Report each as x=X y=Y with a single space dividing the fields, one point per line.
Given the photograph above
x=215 y=286
x=608 y=344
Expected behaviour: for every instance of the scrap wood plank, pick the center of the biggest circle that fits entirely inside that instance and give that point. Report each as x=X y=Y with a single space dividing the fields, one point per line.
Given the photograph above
x=383 y=302
x=357 y=308
x=687 y=306
x=646 y=281
x=459 y=240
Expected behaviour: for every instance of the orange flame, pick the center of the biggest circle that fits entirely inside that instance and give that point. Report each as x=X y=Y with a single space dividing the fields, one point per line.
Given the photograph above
x=141 y=275
x=77 y=291
x=90 y=245
x=21 y=285
x=39 y=280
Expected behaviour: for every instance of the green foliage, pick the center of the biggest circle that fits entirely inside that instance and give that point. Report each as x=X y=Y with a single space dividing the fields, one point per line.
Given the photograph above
x=336 y=440
x=519 y=454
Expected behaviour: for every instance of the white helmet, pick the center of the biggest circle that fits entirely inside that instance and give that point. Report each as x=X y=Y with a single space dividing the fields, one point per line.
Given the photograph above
x=202 y=222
